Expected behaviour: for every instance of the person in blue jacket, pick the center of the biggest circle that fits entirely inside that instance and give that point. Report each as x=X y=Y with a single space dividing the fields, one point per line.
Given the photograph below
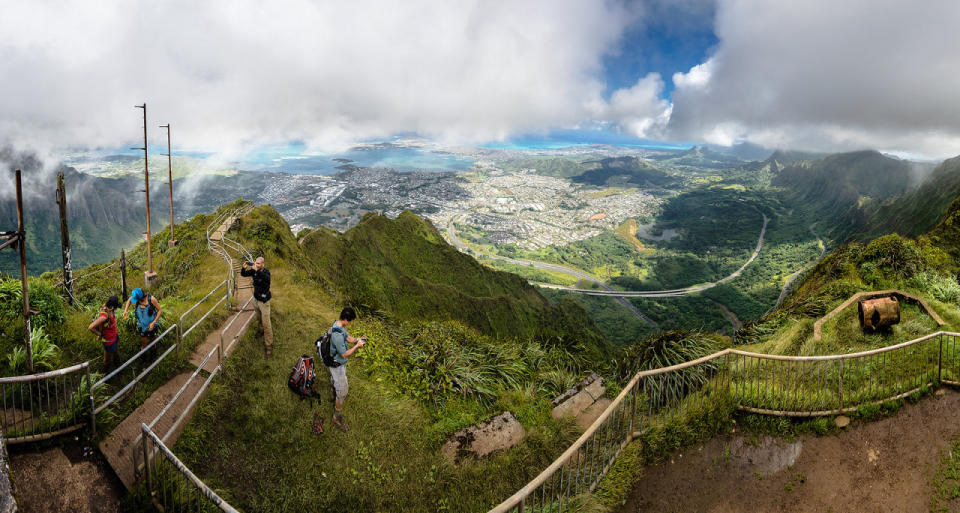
x=147 y=311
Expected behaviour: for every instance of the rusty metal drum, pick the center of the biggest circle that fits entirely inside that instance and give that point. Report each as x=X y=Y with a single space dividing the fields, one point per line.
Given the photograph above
x=878 y=313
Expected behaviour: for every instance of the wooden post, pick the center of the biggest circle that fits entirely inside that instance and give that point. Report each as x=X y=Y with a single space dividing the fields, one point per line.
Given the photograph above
x=149 y=276
x=65 y=238
x=21 y=233
x=123 y=275
x=173 y=240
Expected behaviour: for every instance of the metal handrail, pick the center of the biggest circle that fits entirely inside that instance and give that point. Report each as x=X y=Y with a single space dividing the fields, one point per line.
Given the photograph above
x=41 y=406
x=44 y=375
x=133 y=358
x=142 y=374
x=161 y=494
x=230 y=324
x=847 y=356
x=194 y=307
x=571 y=469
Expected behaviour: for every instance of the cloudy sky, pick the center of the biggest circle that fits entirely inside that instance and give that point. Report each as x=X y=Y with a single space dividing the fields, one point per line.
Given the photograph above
x=231 y=75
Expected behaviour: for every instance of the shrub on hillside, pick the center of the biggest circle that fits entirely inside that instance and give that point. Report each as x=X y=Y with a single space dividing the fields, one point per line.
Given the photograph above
x=894 y=253
x=665 y=349
x=943 y=288
x=431 y=360
x=46 y=354
x=43 y=298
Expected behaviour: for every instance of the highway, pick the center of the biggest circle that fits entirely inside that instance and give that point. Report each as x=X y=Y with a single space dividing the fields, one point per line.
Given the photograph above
x=453 y=239
x=610 y=291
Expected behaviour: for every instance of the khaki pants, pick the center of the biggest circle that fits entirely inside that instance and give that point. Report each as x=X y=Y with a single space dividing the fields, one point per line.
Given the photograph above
x=264 y=310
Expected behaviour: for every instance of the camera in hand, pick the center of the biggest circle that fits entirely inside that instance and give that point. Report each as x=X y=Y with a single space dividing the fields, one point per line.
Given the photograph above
x=249 y=263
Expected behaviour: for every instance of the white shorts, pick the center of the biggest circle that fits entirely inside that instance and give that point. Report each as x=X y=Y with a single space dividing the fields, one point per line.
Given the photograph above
x=338 y=378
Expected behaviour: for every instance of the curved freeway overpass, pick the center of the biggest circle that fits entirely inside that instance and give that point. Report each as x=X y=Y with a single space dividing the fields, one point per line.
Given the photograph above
x=609 y=291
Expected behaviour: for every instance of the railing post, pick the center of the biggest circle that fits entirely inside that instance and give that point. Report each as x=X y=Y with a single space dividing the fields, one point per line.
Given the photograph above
x=841 y=383
x=940 y=362
x=146 y=459
x=93 y=406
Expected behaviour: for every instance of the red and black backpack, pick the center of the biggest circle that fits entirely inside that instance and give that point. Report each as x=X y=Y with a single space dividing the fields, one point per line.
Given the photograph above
x=301 y=378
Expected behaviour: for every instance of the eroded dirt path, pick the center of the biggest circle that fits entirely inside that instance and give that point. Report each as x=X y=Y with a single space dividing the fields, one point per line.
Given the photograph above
x=884 y=466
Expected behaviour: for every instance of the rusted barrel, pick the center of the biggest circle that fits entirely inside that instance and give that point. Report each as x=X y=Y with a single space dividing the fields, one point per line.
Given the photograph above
x=878 y=313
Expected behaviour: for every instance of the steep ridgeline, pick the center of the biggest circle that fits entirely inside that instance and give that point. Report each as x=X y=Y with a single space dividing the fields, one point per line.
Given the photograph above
x=405 y=269
x=920 y=208
x=843 y=189
x=104 y=215
x=925 y=266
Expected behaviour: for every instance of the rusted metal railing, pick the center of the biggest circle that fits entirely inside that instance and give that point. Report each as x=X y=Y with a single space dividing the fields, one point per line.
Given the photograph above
x=172 y=485
x=181 y=333
x=680 y=398
x=45 y=405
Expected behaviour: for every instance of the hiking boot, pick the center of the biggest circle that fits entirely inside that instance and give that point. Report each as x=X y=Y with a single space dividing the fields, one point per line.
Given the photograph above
x=269 y=352
x=339 y=422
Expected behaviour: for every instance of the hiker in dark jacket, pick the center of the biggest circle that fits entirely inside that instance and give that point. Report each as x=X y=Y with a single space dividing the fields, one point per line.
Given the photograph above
x=105 y=328
x=261 y=298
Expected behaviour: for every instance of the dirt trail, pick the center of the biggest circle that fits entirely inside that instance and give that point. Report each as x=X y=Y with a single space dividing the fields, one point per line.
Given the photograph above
x=886 y=465
x=62 y=479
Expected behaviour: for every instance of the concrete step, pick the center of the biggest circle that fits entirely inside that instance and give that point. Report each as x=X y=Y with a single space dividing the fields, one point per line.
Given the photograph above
x=119 y=446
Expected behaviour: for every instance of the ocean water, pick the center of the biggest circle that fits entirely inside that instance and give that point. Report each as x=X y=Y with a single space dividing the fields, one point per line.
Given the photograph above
x=294 y=157
x=566 y=138
x=401 y=158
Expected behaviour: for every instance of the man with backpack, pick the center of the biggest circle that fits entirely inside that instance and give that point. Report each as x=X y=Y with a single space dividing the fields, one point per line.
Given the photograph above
x=105 y=328
x=333 y=349
x=261 y=298
x=147 y=312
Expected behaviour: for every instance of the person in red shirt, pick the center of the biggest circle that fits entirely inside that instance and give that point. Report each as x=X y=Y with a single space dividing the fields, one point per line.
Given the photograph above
x=105 y=328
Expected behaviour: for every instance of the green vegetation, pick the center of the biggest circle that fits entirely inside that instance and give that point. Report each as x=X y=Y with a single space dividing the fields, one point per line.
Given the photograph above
x=613 y=321
x=404 y=269
x=946 y=480
x=420 y=378
x=187 y=272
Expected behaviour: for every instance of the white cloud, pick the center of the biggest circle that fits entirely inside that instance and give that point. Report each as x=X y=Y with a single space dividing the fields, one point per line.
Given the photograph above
x=828 y=75
x=639 y=110
x=229 y=74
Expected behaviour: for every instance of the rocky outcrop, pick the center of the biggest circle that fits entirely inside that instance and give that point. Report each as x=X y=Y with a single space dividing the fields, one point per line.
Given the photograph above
x=499 y=433
x=7 y=502
x=573 y=402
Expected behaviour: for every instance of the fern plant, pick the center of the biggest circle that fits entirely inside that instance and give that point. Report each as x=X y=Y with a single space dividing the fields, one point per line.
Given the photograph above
x=46 y=354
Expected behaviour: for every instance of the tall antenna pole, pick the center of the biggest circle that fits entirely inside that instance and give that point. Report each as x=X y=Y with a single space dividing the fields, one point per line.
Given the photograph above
x=22 y=234
x=65 y=239
x=149 y=275
x=173 y=240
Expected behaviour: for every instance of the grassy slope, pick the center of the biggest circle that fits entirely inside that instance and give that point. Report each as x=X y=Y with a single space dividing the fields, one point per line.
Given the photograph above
x=251 y=427
x=404 y=269
x=925 y=267
x=187 y=273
